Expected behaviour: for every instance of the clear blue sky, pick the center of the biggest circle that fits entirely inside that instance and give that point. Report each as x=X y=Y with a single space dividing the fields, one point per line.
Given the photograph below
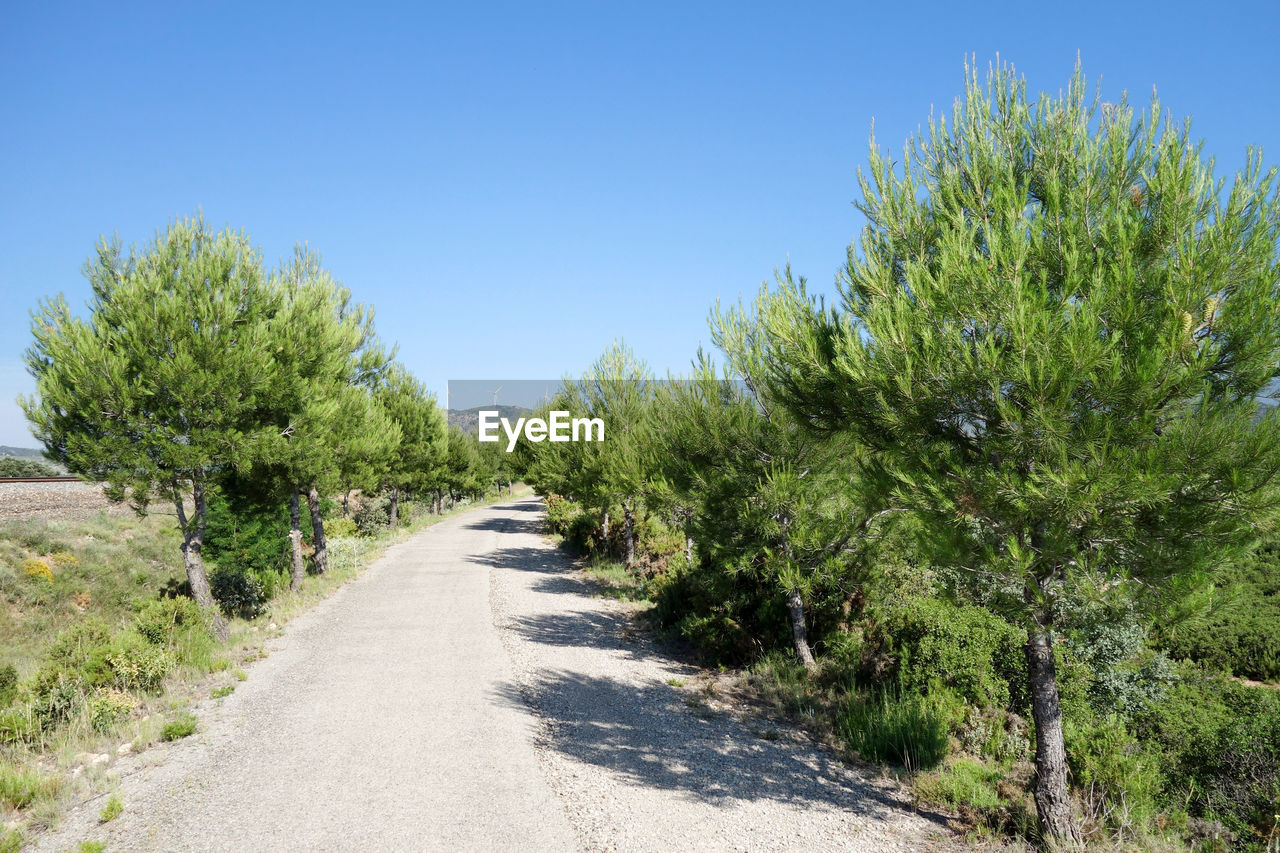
x=515 y=186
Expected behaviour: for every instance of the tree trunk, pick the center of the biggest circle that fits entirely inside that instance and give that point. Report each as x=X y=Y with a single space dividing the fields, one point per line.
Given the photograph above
x=295 y=542
x=192 y=546
x=629 y=532
x=394 y=509
x=604 y=528
x=800 y=630
x=346 y=503
x=688 y=550
x=317 y=532
x=1052 y=802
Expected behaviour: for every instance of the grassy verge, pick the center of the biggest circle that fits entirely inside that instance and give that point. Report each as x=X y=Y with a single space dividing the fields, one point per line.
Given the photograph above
x=99 y=663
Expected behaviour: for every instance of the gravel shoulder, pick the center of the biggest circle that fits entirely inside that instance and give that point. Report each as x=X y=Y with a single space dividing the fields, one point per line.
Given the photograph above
x=470 y=692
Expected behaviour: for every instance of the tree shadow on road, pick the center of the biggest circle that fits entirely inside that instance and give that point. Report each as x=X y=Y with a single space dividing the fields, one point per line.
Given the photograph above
x=655 y=734
x=502 y=524
x=662 y=737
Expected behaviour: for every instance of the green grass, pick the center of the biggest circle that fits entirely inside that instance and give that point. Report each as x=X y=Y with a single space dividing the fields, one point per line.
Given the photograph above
x=92 y=847
x=616 y=581
x=184 y=725
x=112 y=809
x=220 y=692
x=11 y=841
x=21 y=787
x=900 y=729
x=117 y=560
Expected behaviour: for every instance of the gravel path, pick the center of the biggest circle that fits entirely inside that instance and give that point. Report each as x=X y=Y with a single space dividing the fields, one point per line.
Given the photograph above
x=397 y=716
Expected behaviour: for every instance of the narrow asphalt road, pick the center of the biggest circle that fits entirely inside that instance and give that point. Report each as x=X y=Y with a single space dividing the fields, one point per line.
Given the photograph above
x=468 y=692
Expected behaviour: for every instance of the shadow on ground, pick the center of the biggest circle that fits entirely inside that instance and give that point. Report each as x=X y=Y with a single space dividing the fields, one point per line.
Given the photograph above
x=655 y=734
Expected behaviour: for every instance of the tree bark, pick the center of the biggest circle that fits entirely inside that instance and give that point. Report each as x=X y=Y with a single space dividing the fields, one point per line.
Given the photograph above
x=295 y=542
x=192 y=547
x=317 y=532
x=394 y=509
x=604 y=528
x=1052 y=801
x=629 y=533
x=800 y=630
x=688 y=550
x=346 y=503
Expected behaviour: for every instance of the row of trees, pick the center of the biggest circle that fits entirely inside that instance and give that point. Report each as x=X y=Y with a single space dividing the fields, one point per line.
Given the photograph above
x=197 y=369
x=1045 y=368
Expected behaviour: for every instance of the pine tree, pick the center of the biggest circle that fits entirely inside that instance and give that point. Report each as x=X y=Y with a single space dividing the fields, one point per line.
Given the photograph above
x=165 y=384
x=1051 y=339
x=424 y=439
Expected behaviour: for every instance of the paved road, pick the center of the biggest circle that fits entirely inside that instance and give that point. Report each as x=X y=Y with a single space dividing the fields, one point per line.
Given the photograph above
x=469 y=693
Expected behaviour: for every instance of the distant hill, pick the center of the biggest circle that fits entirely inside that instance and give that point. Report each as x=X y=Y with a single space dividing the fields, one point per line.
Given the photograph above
x=21 y=452
x=468 y=420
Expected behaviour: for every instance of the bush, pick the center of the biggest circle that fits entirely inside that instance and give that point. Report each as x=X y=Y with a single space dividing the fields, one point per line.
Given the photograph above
x=371 y=517
x=1240 y=634
x=1220 y=749
x=18 y=725
x=112 y=809
x=63 y=560
x=8 y=685
x=38 y=569
x=928 y=641
x=157 y=620
x=902 y=729
x=340 y=528
x=139 y=665
x=981 y=795
x=1119 y=778
x=181 y=726
x=107 y=707
x=238 y=592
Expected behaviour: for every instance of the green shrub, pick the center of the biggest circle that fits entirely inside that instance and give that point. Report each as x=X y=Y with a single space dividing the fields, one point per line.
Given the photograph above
x=247 y=530
x=371 y=517
x=981 y=795
x=1112 y=769
x=8 y=685
x=238 y=592
x=340 y=528
x=107 y=708
x=904 y=729
x=91 y=847
x=20 y=786
x=139 y=665
x=1220 y=749
x=181 y=726
x=158 y=619
x=1240 y=633
x=112 y=809
x=927 y=641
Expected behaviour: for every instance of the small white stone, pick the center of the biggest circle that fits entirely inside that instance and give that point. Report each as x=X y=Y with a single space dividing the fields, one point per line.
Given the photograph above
x=100 y=759
x=124 y=748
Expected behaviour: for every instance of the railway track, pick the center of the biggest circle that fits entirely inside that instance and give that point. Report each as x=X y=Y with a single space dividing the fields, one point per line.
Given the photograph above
x=68 y=479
